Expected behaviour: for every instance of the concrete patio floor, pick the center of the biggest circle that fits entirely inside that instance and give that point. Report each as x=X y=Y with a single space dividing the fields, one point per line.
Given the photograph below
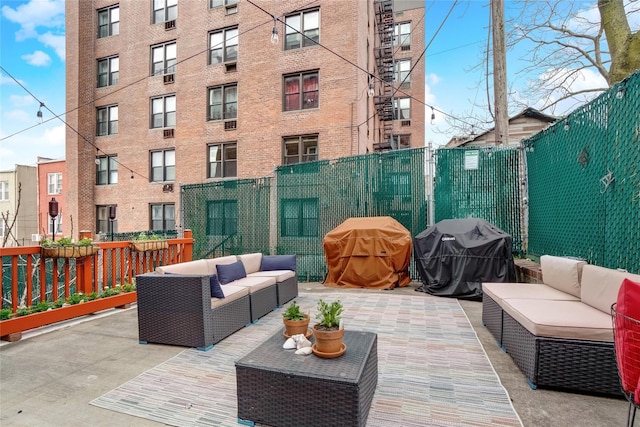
x=49 y=377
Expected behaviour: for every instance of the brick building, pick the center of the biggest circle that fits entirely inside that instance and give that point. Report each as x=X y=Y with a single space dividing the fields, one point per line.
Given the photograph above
x=170 y=92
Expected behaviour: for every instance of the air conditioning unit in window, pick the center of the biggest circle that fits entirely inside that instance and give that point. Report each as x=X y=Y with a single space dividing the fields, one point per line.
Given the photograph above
x=167 y=188
x=168 y=133
x=169 y=78
x=405 y=47
x=170 y=25
x=230 y=124
x=405 y=123
x=35 y=237
x=231 y=67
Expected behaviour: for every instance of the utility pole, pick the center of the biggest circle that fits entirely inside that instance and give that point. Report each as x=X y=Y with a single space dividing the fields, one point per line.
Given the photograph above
x=499 y=73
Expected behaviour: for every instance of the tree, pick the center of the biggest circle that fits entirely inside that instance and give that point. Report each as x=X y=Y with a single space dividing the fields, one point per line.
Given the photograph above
x=10 y=223
x=565 y=42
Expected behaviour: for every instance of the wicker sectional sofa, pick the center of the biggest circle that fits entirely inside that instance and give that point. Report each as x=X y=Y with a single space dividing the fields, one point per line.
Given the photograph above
x=177 y=304
x=559 y=333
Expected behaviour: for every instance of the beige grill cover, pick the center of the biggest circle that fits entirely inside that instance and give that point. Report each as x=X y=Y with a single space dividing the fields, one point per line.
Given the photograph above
x=369 y=252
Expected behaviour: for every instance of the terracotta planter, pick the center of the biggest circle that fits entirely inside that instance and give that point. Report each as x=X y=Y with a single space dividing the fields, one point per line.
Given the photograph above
x=295 y=327
x=149 y=245
x=68 y=251
x=328 y=342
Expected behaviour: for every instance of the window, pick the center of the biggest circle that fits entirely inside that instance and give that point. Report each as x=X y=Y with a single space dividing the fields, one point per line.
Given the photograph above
x=106 y=170
x=223 y=102
x=300 y=149
x=103 y=223
x=302 y=29
x=230 y=5
x=299 y=217
x=164 y=10
x=223 y=46
x=108 y=71
x=4 y=190
x=222 y=217
x=163 y=112
x=54 y=183
x=163 y=165
x=3 y=226
x=109 y=22
x=107 y=121
x=301 y=91
x=401 y=108
x=402 y=141
x=163 y=59
x=223 y=160
x=401 y=70
x=58 y=225
x=402 y=34
x=163 y=217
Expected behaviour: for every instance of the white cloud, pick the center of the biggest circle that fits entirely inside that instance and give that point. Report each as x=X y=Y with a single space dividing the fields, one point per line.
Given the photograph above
x=580 y=80
x=5 y=80
x=37 y=58
x=20 y=116
x=21 y=101
x=55 y=42
x=24 y=148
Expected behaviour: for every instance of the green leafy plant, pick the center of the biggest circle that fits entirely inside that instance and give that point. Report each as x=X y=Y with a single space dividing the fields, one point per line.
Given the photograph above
x=329 y=314
x=109 y=292
x=129 y=287
x=64 y=241
x=42 y=306
x=85 y=241
x=76 y=298
x=5 y=314
x=148 y=236
x=23 y=311
x=293 y=312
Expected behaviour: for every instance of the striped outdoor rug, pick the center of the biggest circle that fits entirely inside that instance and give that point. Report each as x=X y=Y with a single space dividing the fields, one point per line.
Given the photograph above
x=432 y=371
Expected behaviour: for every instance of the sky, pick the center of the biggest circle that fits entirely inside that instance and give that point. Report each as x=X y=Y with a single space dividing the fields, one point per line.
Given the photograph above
x=32 y=52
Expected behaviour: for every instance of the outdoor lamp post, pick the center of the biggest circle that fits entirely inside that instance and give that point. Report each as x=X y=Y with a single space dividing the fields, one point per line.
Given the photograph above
x=112 y=217
x=53 y=213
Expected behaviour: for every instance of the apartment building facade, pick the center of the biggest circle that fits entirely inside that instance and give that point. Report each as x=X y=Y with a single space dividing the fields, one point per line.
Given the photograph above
x=51 y=175
x=18 y=219
x=162 y=93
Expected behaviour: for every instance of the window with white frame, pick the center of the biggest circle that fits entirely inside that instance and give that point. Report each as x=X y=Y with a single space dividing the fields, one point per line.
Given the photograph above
x=4 y=190
x=223 y=46
x=401 y=69
x=300 y=149
x=103 y=223
x=302 y=29
x=164 y=10
x=163 y=165
x=401 y=108
x=223 y=102
x=3 y=226
x=163 y=216
x=54 y=183
x=301 y=91
x=163 y=112
x=223 y=160
x=163 y=59
x=106 y=170
x=402 y=34
x=231 y=6
x=58 y=225
x=109 y=21
x=108 y=71
x=107 y=120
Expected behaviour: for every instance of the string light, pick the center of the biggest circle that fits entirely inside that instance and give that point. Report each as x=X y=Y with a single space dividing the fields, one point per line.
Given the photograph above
x=566 y=125
x=97 y=156
x=274 y=32
x=433 y=115
x=39 y=113
x=620 y=93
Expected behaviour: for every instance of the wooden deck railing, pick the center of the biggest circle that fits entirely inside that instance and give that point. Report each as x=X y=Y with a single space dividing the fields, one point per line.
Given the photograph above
x=34 y=279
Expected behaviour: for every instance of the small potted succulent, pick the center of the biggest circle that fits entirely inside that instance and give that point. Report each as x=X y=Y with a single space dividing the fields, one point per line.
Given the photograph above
x=328 y=332
x=295 y=321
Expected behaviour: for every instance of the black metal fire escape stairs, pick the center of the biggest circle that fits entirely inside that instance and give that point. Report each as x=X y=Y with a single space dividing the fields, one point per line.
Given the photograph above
x=384 y=63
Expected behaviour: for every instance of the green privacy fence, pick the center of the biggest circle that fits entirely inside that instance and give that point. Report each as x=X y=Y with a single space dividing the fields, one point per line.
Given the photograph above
x=584 y=182
x=481 y=183
x=292 y=212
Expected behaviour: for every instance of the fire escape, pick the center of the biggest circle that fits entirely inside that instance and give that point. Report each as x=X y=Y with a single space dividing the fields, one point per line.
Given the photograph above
x=384 y=63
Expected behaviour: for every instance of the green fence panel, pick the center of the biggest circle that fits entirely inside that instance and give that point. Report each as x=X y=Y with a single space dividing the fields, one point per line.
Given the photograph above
x=481 y=183
x=584 y=182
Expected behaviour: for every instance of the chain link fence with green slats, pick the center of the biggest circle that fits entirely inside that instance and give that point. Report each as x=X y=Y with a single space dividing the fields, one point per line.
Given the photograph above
x=584 y=182
x=292 y=212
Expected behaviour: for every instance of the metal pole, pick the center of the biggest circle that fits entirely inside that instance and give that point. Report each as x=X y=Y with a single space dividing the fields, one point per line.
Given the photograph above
x=53 y=221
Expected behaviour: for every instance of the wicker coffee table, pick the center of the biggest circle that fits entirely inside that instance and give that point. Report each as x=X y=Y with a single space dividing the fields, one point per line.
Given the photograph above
x=279 y=388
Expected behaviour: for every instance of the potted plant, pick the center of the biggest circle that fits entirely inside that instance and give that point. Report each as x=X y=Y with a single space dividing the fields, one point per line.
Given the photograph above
x=65 y=247
x=328 y=332
x=148 y=242
x=295 y=321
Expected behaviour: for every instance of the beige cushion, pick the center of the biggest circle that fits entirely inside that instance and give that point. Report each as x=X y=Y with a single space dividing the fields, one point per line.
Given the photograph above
x=191 y=267
x=600 y=286
x=562 y=273
x=560 y=319
x=251 y=262
x=254 y=283
x=224 y=260
x=231 y=293
x=280 y=275
x=501 y=291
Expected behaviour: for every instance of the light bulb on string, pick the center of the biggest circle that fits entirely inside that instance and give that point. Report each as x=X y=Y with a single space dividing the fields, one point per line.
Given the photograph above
x=433 y=115
x=620 y=93
x=274 y=32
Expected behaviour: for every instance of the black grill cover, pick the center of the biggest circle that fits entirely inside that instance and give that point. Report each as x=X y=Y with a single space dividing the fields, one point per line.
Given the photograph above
x=455 y=256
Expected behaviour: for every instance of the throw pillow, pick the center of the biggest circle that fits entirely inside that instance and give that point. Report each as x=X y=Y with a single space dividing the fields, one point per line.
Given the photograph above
x=227 y=273
x=214 y=284
x=278 y=262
